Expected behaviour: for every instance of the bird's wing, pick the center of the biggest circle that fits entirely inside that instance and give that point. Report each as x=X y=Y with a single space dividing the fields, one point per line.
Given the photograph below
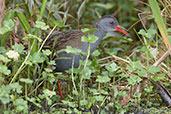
x=60 y=40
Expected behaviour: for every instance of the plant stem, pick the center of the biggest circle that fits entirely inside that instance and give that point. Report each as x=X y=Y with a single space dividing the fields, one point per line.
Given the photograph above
x=86 y=61
x=73 y=73
x=47 y=38
x=20 y=69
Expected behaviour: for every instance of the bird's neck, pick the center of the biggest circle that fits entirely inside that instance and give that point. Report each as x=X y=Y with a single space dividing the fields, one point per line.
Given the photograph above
x=100 y=34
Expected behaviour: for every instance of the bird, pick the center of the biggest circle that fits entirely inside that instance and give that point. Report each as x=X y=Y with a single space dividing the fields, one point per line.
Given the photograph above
x=72 y=38
x=60 y=40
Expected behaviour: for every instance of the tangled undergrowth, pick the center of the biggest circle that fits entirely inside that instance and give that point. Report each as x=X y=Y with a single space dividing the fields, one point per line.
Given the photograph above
x=119 y=77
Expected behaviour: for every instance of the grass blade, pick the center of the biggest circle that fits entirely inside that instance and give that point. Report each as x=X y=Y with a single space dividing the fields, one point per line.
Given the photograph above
x=159 y=21
x=23 y=21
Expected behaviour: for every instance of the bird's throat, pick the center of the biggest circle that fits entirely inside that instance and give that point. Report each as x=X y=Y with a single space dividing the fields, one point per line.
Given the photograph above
x=100 y=34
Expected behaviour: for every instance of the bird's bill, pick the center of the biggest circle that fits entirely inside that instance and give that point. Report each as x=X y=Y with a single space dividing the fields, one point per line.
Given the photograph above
x=118 y=28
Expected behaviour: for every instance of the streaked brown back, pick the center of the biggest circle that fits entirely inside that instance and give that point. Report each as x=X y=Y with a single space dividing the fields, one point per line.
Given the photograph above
x=67 y=38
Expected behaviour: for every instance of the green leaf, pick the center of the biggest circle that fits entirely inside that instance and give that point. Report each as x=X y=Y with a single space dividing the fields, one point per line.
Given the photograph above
x=95 y=53
x=115 y=91
x=70 y=104
x=105 y=6
x=21 y=105
x=75 y=51
x=159 y=77
x=26 y=80
x=130 y=68
x=44 y=74
x=41 y=25
x=152 y=31
x=111 y=67
x=142 y=32
x=37 y=58
x=4 y=59
x=31 y=36
x=8 y=25
x=92 y=38
x=33 y=100
x=122 y=93
x=49 y=93
x=2 y=49
x=59 y=24
x=134 y=66
x=9 y=15
x=137 y=64
x=114 y=51
x=84 y=39
x=159 y=21
x=5 y=94
x=86 y=73
x=48 y=70
x=88 y=30
x=154 y=69
x=169 y=30
x=149 y=34
x=42 y=10
x=85 y=30
x=170 y=38
x=103 y=92
x=51 y=78
x=24 y=22
x=4 y=70
x=154 y=52
x=124 y=75
x=148 y=89
x=133 y=80
x=80 y=10
x=75 y=92
x=83 y=102
x=51 y=63
x=99 y=98
x=47 y=52
x=18 y=47
x=142 y=72
x=28 y=62
x=92 y=90
x=16 y=87
x=103 y=79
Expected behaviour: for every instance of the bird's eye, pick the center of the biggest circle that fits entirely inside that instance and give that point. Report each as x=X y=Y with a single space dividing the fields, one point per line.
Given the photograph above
x=111 y=23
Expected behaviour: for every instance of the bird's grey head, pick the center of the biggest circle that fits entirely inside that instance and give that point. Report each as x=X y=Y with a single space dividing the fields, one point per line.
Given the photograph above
x=108 y=23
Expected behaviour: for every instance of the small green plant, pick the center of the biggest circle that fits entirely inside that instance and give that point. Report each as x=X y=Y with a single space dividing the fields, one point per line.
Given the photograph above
x=116 y=78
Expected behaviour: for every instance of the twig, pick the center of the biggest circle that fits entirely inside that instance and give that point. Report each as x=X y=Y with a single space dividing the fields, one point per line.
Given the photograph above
x=168 y=52
x=47 y=38
x=161 y=90
x=108 y=57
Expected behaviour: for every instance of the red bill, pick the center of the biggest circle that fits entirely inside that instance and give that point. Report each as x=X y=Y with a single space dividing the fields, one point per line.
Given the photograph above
x=118 y=28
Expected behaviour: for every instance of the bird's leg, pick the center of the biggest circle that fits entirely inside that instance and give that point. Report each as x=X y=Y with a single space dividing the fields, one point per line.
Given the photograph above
x=59 y=89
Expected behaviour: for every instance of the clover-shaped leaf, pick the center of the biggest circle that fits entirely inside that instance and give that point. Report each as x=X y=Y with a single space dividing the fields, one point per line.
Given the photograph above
x=18 y=47
x=4 y=69
x=8 y=25
x=47 y=52
x=75 y=51
x=31 y=36
x=4 y=59
x=86 y=73
x=103 y=79
x=26 y=80
x=41 y=25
